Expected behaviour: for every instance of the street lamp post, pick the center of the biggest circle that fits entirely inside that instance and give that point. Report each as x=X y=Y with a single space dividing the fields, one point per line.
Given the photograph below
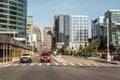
x=108 y=43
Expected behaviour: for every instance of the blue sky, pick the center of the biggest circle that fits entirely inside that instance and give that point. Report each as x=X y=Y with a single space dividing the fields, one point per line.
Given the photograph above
x=43 y=11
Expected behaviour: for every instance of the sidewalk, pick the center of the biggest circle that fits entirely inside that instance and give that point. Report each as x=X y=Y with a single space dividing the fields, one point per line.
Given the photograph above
x=103 y=60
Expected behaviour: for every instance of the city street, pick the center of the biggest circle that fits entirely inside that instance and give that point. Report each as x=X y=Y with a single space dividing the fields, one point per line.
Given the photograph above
x=59 y=71
x=59 y=40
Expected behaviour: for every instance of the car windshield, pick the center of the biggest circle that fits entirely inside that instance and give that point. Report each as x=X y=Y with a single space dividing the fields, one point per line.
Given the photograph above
x=45 y=54
x=25 y=54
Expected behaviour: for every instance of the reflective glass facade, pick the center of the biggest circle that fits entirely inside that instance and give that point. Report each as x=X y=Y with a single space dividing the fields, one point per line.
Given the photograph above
x=79 y=29
x=13 y=18
x=71 y=30
x=61 y=28
x=114 y=26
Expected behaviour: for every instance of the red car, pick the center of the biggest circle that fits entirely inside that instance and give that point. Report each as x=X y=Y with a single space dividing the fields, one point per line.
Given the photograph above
x=45 y=57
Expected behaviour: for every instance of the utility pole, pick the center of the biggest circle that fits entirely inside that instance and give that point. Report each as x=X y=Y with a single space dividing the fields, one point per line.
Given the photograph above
x=108 y=43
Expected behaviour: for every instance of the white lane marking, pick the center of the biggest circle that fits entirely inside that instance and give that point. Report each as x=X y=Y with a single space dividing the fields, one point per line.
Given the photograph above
x=64 y=63
x=88 y=64
x=104 y=64
x=80 y=64
x=40 y=64
x=15 y=64
x=32 y=64
x=96 y=64
x=56 y=64
x=72 y=64
x=7 y=65
x=48 y=64
x=23 y=64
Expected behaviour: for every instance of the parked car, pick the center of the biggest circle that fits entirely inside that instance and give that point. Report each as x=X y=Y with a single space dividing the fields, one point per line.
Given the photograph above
x=26 y=58
x=45 y=57
x=117 y=56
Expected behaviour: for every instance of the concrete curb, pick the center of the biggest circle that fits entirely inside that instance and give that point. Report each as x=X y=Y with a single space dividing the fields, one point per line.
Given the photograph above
x=101 y=60
x=107 y=62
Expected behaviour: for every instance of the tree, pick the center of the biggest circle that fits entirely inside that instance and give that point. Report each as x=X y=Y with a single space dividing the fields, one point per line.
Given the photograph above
x=80 y=48
x=93 y=47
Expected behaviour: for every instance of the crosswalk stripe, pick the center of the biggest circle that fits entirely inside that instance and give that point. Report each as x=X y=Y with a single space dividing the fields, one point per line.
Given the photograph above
x=96 y=64
x=104 y=64
x=72 y=64
x=40 y=64
x=81 y=64
x=23 y=64
x=56 y=64
x=48 y=64
x=32 y=64
x=88 y=64
x=8 y=65
x=15 y=65
x=64 y=63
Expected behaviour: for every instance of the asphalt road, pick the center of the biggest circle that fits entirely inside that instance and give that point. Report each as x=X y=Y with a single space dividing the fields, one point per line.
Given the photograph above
x=58 y=72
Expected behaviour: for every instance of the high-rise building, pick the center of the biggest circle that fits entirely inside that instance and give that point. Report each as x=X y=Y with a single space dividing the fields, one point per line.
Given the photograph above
x=113 y=17
x=13 y=18
x=61 y=28
x=99 y=31
x=71 y=30
x=29 y=31
x=48 y=37
x=98 y=28
x=36 y=37
x=78 y=31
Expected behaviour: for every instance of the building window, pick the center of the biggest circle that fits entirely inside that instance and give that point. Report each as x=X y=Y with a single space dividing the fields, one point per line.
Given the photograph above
x=3 y=16
x=13 y=8
x=4 y=1
x=13 y=3
x=3 y=11
x=21 y=1
x=3 y=21
x=13 y=13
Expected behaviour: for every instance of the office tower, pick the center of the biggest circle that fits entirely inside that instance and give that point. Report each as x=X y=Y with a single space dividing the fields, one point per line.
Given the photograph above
x=78 y=31
x=71 y=30
x=36 y=36
x=113 y=17
x=13 y=18
x=29 y=31
x=99 y=31
x=48 y=37
x=98 y=28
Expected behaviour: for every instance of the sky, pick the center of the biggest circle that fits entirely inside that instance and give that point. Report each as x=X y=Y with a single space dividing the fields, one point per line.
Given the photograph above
x=43 y=11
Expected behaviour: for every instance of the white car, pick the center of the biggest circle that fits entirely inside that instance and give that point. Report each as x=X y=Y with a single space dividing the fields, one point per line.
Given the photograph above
x=26 y=58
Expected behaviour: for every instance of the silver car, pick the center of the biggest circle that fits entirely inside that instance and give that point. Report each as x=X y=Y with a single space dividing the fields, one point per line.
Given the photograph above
x=26 y=58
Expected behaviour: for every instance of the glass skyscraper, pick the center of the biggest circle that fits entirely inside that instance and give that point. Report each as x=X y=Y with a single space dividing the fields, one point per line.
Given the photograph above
x=13 y=18
x=71 y=30
x=78 y=33
x=114 y=27
x=98 y=28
